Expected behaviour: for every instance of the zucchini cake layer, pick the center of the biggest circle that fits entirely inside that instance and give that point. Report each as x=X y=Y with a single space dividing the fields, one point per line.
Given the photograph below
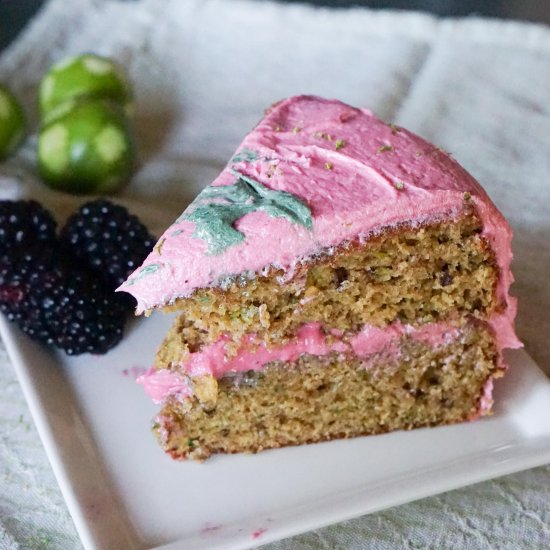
x=357 y=271
x=411 y=275
x=313 y=176
x=386 y=380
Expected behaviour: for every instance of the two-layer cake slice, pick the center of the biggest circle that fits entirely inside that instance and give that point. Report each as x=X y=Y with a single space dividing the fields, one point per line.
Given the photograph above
x=340 y=277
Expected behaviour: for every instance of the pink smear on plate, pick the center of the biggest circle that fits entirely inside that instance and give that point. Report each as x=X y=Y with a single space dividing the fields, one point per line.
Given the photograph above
x=258 y=533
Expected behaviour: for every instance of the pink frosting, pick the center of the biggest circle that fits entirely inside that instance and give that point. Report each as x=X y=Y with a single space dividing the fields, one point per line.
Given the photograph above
x=310 y=339
x=212 y=359
x=375 y=339
x=486 y=401
x=377 y=176
x=159 y=384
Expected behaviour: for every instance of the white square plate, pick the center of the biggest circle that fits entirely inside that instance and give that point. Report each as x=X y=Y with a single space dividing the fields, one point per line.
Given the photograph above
x=123 y=492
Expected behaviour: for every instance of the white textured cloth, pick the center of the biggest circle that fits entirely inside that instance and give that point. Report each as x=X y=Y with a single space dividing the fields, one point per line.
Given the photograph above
x=204 y=70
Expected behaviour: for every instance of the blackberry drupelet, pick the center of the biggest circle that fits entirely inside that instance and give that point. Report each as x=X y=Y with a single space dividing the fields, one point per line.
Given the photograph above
x=111 y=241
x=23 y=223
x=57 y=303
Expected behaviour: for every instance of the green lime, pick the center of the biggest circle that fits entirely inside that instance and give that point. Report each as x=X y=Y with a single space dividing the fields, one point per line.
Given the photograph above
x=12 y=122
x=87 y=149
x=83 y=76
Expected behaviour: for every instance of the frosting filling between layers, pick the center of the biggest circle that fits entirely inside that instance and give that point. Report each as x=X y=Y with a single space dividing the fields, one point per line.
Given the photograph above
x=213 y=359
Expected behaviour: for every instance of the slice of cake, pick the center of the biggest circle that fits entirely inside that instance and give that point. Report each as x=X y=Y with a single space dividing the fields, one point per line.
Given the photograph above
x=340 y=277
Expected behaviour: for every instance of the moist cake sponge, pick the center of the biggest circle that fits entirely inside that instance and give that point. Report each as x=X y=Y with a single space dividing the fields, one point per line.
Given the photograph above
x=337 y=396
x=412 y=275
x=340 y=277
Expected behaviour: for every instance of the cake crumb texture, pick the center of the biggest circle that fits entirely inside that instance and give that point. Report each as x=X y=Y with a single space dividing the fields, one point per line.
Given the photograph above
x=323 y=398
x=411 y=275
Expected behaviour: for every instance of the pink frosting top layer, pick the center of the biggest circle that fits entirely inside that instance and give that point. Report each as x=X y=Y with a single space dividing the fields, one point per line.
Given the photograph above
x=356 y=174
x=310 y=339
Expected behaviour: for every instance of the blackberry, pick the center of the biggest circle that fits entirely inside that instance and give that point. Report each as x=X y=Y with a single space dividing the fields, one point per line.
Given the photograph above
x=58 y=303
x=110 y=241
x=24 y=222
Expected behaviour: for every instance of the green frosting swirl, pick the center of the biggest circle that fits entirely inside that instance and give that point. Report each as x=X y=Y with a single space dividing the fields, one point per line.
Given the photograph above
x=143 y=272
x=218 y=208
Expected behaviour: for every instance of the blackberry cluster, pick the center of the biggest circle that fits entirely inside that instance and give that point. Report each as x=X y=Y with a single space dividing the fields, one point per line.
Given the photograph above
x=23 y=223
x=58 y=303
x=52 y=296
x=110 y=241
